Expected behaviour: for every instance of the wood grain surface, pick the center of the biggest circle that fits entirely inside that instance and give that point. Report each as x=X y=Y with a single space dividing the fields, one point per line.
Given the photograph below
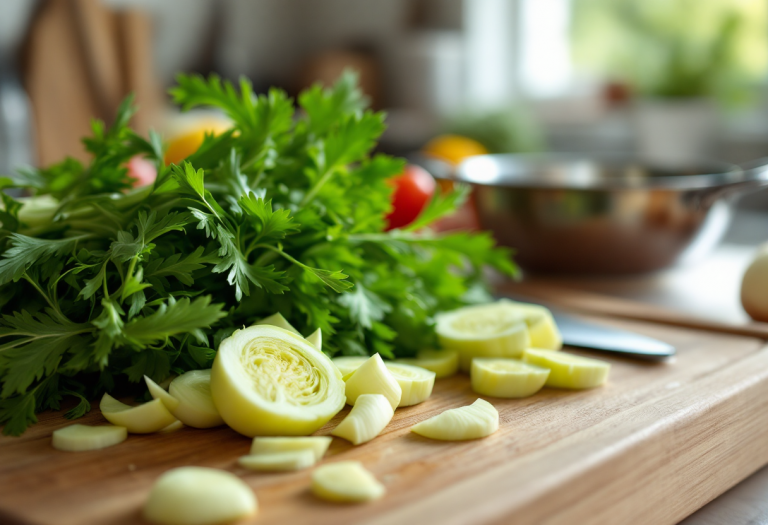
x=652 y=446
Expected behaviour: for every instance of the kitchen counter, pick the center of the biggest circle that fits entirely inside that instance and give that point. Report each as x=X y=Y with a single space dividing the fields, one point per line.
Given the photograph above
x=708 y=289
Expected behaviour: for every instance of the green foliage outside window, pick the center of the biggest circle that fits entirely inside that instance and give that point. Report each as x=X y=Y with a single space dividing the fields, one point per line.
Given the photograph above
x=675 y=48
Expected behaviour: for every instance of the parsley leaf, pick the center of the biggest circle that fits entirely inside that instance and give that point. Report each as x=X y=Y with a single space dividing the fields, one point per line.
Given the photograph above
x=17 y=413
x=26 y=251
x=240 y=271
x=182 y=268
x=364 y=306
x=274 y=224
x=172 y=318
x=37 y=345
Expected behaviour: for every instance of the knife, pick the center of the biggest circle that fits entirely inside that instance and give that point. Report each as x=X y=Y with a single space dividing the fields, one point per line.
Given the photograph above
x=592 y=336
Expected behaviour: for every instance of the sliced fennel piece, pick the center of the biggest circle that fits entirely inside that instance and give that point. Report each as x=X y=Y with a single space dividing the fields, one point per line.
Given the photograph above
x=266 y=381
x=510 y=378
x=316 y=339
x=541 y=325
x=190 y=400
x=366 y=420
x=199 y=496
x=142 y=419
x=79 y=438
x=158 y=392
x=318 y=445
x=345 y=481
x=348 y=364
x=568 y=370
x=196 y=408
x=488 y=330
x=173 y=427
x=372 y=377
x=478 y=420
x=278 y=320
x=415 y=382
x=444 y=363
x=278 y=461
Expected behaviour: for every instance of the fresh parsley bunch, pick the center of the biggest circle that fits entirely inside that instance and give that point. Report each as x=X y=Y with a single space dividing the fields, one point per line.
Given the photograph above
x=101 y=284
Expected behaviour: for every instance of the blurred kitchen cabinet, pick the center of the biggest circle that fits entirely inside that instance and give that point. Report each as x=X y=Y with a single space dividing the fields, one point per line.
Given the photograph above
x=79 y=60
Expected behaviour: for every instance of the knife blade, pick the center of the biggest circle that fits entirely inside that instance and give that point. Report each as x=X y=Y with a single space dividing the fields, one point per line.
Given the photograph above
x=593 y=336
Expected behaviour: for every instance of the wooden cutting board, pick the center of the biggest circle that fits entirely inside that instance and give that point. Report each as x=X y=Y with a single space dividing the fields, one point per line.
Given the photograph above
x=559 y=295
x=653 y=445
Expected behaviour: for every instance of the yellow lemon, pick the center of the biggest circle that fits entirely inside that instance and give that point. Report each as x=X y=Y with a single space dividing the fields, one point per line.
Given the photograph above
x=453 y=148
x=185 y=143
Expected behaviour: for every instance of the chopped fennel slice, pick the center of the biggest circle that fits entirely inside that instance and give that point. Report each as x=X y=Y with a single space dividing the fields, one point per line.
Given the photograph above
x=318 y=445
x=478 y=420
x=143 y=419
x=348 y=364
x=372 y=377
x=316 y=339
x=568 y=370
x=266 y=381
x=509 y=378
x=199 y=496
x=279 y=461
x=278 y=320
x=190 y=399
x=345 y=482
x=444 y=363
x=541 y=325
x=366 y=420
x=193 y=391
x=173 y=427
x=158 y=392
x=488 y=330
x=416 y=383
x=79 y=438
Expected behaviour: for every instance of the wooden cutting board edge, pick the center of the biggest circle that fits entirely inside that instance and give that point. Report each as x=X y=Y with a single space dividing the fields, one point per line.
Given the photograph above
x=723 y=443
x=593 y=303
x=639 y=478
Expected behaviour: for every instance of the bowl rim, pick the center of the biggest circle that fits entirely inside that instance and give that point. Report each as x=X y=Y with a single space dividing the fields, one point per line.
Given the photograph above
x=472 y=169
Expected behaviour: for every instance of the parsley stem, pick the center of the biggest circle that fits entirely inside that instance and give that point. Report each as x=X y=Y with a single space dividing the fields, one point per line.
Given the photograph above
x=128 y=275
x=264 y=258
x=312 y=193
x=281 y=252
x=54 y=306
x=34 y=337
x=104 y=283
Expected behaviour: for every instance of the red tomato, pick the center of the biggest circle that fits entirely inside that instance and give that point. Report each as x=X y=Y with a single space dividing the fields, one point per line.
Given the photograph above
x=413 y=190
x=142 y=171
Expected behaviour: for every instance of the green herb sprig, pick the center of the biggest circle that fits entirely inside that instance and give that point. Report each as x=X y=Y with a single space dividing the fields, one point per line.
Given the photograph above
x=101 y=284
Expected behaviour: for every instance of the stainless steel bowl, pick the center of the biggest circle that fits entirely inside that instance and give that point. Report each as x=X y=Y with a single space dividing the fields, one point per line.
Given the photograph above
x=609 y=214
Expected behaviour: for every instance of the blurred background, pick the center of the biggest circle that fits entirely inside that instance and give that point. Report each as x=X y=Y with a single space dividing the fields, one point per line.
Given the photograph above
x=515 y=75
x=672 y=82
